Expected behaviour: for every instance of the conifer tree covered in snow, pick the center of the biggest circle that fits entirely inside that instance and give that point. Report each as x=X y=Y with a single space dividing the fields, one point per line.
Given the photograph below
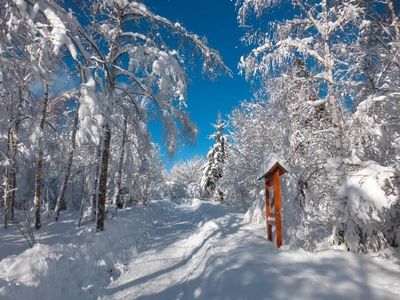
x=213 y=167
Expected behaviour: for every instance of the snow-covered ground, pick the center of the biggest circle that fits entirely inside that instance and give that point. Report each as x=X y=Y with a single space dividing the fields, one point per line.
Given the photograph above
x=185 y=249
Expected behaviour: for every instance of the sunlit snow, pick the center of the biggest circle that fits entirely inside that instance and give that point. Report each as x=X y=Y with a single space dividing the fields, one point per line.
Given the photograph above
x=186 y=249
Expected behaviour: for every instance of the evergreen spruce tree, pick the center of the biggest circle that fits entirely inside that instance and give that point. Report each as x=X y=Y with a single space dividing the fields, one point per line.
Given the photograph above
x=212 y=170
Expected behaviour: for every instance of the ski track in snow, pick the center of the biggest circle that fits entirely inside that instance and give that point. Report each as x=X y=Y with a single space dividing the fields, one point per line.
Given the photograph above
x=185 y=250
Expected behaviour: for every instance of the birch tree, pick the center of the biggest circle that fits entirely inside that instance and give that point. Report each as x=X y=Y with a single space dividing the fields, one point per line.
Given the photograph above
x=49 y=33
x=25 y=67
x=316 y=34
x=67 y=173
x=15 y=79
x=349 y=48
x=135 y=62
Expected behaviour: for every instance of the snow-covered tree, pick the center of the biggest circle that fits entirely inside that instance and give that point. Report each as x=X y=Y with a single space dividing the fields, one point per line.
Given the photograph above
x=184 y=178
x=374 y=134
x=134 y=63
x=128 y=76
x=330 y=58
x=32 y=35
x=213 y=167
x=315 y=33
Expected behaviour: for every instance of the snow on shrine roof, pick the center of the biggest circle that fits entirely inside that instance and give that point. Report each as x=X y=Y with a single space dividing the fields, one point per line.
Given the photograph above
x=268 y=162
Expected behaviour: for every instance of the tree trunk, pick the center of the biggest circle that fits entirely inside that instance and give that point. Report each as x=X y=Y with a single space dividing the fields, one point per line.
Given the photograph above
x=117 y=200
x=5 y=196
x=40 y=159
x=394 y=18
x=95 y=196
x=13 y=175
x=6 y=199
x=7 y=182
x=38 y=180
x=103 y=178
x=64 y=185
x=331 y=89
x=107 y=135
x=14 y=147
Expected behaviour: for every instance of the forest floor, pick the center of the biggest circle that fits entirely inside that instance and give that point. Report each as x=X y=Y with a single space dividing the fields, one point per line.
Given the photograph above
x=186 y=249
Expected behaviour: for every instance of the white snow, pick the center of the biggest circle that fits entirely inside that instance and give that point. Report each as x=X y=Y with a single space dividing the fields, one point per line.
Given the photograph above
x=366 y=183
x=172 y=75
x=59 y=30
x=186 y=249
x=21 y=6
x=317 y=102
x=363 y=185
x=89 y=116
x=269 y=161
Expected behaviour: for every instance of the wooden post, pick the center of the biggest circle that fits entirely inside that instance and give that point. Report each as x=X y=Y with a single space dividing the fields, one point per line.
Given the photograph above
x=278 y=219
x=268 y=212
x=270 y=172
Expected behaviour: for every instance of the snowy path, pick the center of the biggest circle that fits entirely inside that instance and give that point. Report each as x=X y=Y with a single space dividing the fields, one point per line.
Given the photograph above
x=208 y=252
x=191 y=250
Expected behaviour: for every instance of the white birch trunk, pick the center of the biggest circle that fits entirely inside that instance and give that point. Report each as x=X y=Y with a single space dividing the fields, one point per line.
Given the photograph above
x=331 y=89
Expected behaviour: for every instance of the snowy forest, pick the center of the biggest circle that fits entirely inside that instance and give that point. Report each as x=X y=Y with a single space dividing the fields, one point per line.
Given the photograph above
x=81 y=82
x=326 y=99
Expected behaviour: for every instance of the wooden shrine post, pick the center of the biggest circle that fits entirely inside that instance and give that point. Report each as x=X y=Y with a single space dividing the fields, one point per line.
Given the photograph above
x=273 y=201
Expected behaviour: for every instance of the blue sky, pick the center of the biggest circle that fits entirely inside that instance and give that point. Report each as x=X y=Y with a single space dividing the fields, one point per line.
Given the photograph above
x=215 y=19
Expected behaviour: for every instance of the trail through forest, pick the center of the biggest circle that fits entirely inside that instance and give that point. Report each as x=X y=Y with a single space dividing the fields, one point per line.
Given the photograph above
x=186 y=249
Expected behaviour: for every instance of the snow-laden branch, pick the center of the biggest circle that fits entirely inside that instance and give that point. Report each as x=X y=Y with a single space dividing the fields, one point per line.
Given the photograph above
x=302 y=46
x=348 y=12
x=280 y=49
x=136 y=35
x=317 y=24
x=211 y=57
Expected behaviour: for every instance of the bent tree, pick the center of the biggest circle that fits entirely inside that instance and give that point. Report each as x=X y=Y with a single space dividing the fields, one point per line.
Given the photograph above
x=133 y=51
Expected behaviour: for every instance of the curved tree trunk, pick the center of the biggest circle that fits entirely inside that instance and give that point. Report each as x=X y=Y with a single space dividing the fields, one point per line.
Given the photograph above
x=64 y=185
x=107 y=134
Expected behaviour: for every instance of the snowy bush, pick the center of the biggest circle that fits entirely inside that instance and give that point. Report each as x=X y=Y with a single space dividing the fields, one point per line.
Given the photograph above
x=362 y=202
x=193 y=190
x=184 y=178
x=314 y=111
